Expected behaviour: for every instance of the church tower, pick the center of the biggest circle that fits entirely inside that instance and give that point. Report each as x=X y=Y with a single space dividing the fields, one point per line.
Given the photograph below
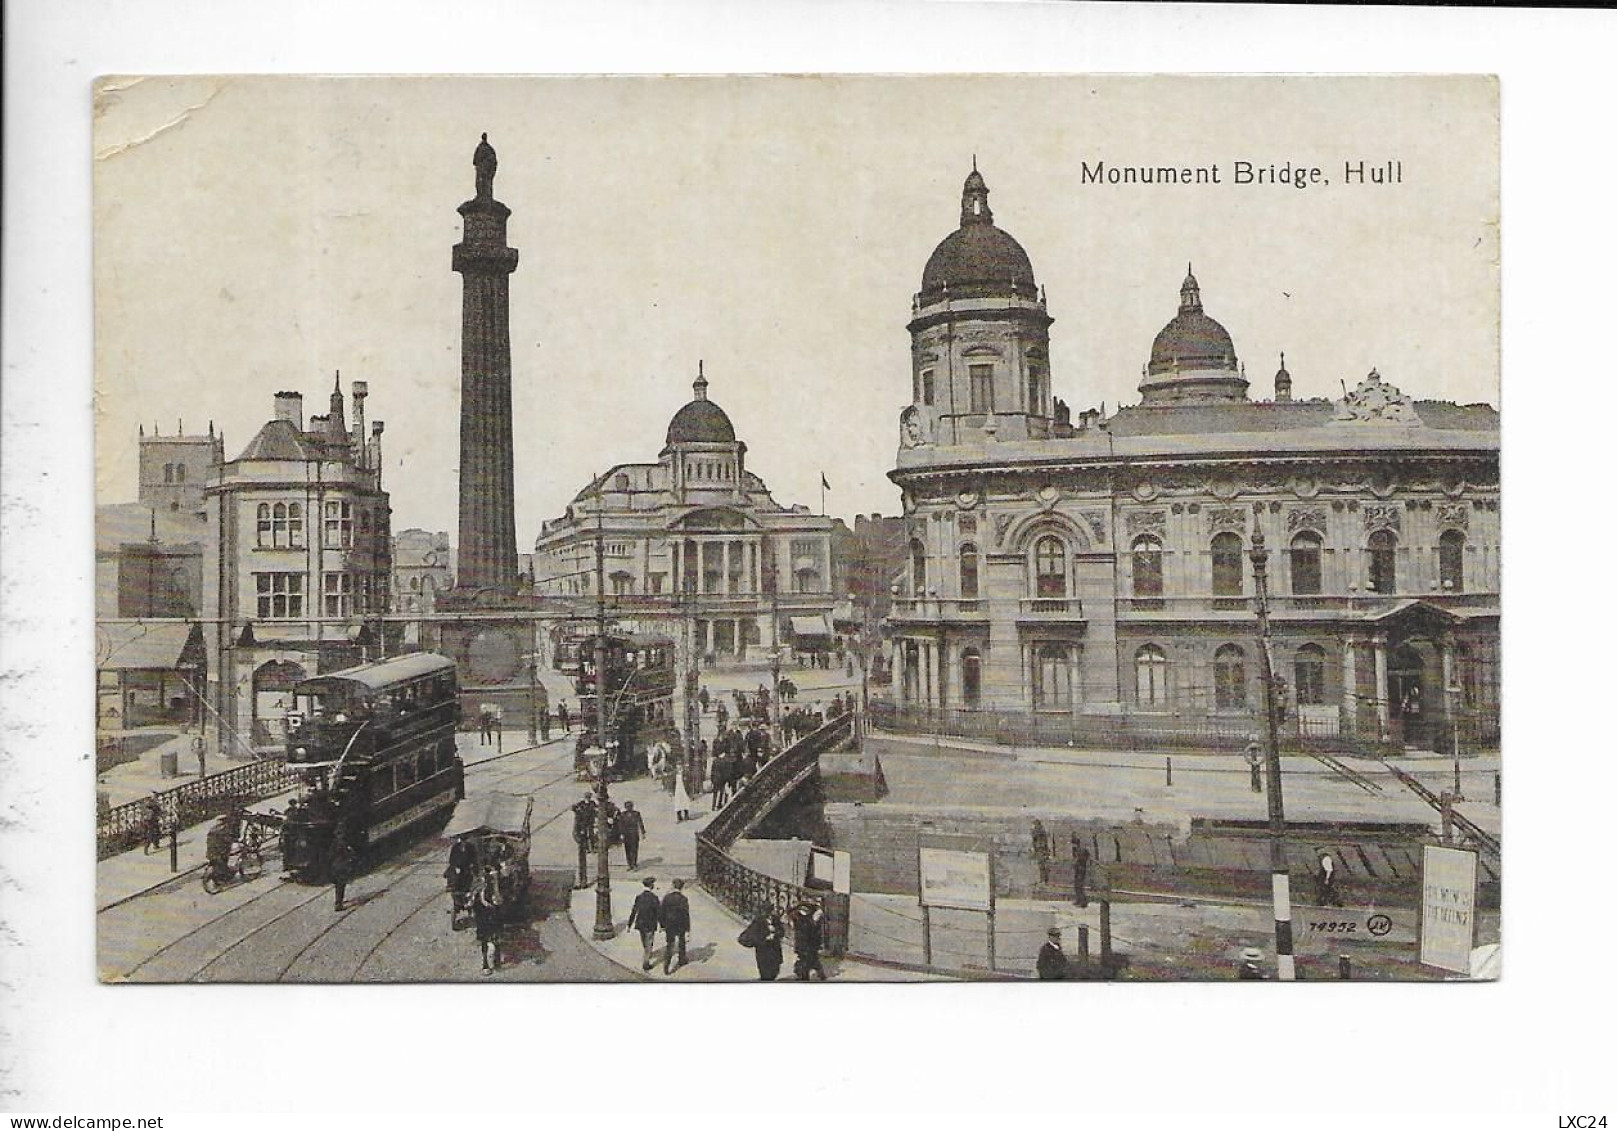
x=488 y=540
x=979 y=335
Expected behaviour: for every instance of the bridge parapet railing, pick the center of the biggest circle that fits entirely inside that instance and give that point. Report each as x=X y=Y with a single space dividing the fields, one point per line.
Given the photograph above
x=745 y=890
x=122 y=827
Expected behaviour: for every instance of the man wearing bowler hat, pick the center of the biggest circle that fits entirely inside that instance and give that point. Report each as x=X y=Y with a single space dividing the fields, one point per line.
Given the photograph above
x=1052 y=962
x=643 y=917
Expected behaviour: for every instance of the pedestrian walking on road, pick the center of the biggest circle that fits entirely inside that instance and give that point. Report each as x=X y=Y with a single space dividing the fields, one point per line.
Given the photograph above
x=1080 y=870
x=486 y=912
x=561 y=716
x=643 y=918
x=807 y=935
x=1325 y=893
x=703 y=699
x=763 y=937
x=682 y=797
x=1052 y=961
x=1041 y=850
x=341 y=868
x=675 y=915
x=151 y=825
x=631 y=827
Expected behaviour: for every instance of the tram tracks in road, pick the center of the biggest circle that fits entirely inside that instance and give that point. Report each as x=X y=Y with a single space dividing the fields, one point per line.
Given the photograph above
x=282 y=916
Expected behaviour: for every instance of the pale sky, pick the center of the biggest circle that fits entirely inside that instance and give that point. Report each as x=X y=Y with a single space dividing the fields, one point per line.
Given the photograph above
x=258 y=234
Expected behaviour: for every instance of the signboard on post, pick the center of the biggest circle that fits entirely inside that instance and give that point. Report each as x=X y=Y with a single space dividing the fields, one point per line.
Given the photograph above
x=951 y=877
x=1448 y=920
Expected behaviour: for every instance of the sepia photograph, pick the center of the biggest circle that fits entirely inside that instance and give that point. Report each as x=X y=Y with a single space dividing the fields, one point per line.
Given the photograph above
x=816 y=528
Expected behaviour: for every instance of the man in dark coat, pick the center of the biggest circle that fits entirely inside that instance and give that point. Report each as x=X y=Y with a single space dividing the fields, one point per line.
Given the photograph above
x=643 y=918
x=584 y=835
x=763 y=935
x=1080 y=870
x=1041 y=850
x=676 y=922
x=807 y=935
x=1052 y=962
x=631 y=827
x=151 y=824
x=544 y=726
x=561 y=716
x=486 y=915
x=341 y=868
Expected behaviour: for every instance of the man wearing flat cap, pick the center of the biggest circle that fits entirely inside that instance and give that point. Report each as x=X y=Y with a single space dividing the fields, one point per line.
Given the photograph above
x=1052 y=963
x=644 y=916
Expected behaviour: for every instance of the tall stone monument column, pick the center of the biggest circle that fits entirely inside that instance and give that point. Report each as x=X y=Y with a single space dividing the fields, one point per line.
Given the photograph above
x=488 y=540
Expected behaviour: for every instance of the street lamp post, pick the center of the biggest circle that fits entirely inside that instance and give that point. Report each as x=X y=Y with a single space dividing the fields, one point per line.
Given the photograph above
x=1280 y=874
x=603 y=871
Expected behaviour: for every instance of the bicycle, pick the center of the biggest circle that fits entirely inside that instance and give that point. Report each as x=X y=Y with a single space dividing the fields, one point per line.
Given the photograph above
x=244 y=863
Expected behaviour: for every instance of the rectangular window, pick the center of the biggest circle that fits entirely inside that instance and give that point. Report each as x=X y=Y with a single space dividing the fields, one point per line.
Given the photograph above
x=982 y=388
x=339 y=525
x=280 y=596
x=339 y=593
x=928 y=387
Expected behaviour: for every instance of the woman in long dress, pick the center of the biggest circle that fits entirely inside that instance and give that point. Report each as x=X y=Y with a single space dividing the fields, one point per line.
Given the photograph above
x=682 y=796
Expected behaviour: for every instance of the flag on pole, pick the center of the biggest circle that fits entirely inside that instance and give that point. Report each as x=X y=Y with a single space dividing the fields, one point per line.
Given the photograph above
x=824 y=486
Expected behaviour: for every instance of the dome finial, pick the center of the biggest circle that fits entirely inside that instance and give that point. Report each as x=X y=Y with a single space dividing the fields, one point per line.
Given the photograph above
x=699 y=386
x=1190 y=292
x=974 y=199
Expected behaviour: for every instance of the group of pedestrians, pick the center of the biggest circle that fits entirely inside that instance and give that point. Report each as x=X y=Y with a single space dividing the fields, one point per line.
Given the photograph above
x=671 y=914
x=1044 y=856
x=766 y=932
x=737 y=756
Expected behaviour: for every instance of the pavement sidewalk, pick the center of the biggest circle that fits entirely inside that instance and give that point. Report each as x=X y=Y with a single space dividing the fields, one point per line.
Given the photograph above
x=668 y=851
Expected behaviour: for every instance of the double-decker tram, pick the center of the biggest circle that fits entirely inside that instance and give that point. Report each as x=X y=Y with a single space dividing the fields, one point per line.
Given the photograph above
x=375 y=745
x=637 y=686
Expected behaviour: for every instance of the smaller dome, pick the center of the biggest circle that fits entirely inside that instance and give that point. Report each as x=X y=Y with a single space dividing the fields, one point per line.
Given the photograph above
x=1192 y=340
x=701 y=421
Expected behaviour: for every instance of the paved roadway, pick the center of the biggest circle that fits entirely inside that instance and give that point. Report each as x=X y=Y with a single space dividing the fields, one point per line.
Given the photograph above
x=396 y=927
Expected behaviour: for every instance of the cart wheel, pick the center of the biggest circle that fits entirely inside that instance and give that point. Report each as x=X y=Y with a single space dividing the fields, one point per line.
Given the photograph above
x=210 y=882
x=252 y=864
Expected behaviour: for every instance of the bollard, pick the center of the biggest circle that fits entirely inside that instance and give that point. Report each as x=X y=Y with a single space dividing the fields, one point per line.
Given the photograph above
x=1170 y=771
x=1344 y=967
x=1083 y=947
x=174 y=845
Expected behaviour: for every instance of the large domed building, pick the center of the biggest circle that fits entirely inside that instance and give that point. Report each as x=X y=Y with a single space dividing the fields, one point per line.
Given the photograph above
x=1094 y=580
x=695 y=538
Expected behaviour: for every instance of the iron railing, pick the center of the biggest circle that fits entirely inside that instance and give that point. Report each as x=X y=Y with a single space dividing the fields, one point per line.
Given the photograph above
x=745 y=890
x=122 y=827
x=1113 y=732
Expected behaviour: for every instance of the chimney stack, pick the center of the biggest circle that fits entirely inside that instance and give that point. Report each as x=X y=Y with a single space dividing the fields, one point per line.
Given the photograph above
x=289 y=407
x=358 y=391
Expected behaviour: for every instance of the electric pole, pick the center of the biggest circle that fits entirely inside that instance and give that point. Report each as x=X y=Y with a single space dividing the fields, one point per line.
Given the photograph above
x=603 y=876
x=1280 y=877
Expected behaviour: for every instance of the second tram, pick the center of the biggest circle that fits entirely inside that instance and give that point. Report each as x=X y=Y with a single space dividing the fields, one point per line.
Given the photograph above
x=637 y=686
x=376 y=748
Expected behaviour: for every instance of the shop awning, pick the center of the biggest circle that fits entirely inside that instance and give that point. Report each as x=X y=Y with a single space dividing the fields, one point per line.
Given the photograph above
x=810 y=626
x=148 y=646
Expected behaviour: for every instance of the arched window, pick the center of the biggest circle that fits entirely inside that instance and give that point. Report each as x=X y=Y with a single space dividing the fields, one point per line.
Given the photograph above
x=1050 y=567
x=1229 y=577
x=1451 y=561
x=415 y=585
x=1383 y=562
x=1229 y=678
x=1147 y=566
x=179 y=473
x=1052 y=677
x=968 y=572
x=280 y=525
x=1151 y=678
x=1305 y=564
x=294 y=524
x=1035 y=389
x=971 y=676
x=917 y=568
x=168 y=473
x=265 y=528
x=1308 y=672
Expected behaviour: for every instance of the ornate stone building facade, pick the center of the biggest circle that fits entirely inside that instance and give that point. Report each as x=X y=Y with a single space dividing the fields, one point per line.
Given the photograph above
x=295 y=564
x=696 y=538
x=1103 y=568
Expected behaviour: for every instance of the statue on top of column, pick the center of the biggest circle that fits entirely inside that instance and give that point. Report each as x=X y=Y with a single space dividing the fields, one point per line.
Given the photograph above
x=486 y=162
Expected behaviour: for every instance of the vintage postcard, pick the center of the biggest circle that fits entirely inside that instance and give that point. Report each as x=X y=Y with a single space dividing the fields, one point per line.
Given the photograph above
x=847 y=529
